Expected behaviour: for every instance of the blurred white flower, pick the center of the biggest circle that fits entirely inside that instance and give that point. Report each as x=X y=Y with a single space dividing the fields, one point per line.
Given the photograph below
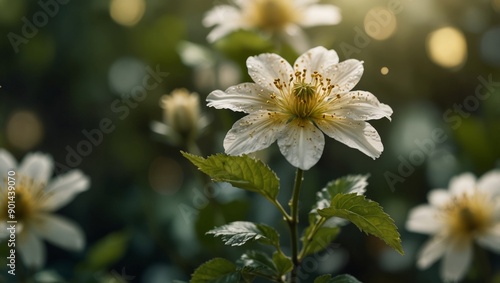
x=294 y=105
x=468 y=212
x=36 y=197
x=182 y=117
x=283 y=17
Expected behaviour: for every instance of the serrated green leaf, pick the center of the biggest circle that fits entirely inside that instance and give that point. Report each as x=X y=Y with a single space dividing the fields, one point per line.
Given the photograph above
x=212 y=216
x=242 y=172
x=257 y=262
x=239 y=232
x=320 y=240
x=344 y=185
x=367 y=215
x=217 y=270
x=283 y=263
x=344 y=278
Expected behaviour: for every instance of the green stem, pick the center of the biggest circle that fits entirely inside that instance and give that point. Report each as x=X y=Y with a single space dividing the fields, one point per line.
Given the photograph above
x=310 y=236
x=282 y=210
x=292 y=223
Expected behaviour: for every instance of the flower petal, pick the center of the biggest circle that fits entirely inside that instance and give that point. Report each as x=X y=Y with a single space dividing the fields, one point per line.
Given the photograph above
x=439 y=197
x=490 y=183
x=253 y=132
x=226 y=17
x=355 y=134
x=360 y=105
x=432 y=250
x=246 y=97
x=344 y=75
x=7 y=163
x=267 y=67
x=302 y=144
x=463 y=183
x=491 y=239
x=63 y=189
x=32 y=250
x=59 y=231
x=317 y=15
x=316 y=59
x=423 y=219
x=296 y=37
x=37 y=166
x=456 y=261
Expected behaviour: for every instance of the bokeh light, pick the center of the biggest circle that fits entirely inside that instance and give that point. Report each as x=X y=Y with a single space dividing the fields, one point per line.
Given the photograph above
x=127 y=12
x=24 y=130
x=380 y=23
x=165 y=175
x=490 y=46
x=126 y=73
x=447 y=47
x=384 y=71
x=496 y=5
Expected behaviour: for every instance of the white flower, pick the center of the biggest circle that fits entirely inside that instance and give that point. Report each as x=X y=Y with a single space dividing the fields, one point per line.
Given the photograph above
x=296 y=105
x=283 y=17
x=468 y=212
x=36 y=197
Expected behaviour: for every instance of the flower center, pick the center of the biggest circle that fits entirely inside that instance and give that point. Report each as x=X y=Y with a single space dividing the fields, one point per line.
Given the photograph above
x=304 y=98
x=271 y=15
x=22 y=205
x=469 y=214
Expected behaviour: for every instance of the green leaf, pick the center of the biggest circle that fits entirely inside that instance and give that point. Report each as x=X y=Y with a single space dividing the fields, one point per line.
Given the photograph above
x=239 y=232
x=344 y=278
x=320 y=240
x=216 y=215
x=343 y=185
x=217 y=270
x=258 y=263
x=243 y=172
x=318 y=235
x=367 y=215
x=283 y=263
x=107 y=251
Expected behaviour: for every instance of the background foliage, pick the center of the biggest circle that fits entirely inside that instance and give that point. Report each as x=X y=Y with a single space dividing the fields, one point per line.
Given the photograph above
x=148 y=208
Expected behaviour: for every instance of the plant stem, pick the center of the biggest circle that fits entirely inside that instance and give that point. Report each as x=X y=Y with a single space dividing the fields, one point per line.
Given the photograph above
x=292 y=223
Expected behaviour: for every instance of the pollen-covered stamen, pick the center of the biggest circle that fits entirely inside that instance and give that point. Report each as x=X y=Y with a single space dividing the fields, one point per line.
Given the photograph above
x=469 y=214
x=27 y=199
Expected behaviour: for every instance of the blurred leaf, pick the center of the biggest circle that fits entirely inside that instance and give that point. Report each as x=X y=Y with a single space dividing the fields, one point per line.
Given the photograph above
x=217 y=270
x=344 y=278
x=368 y=215
x=320 y=240
x=240 y=45
x=239 y=232
x=472 y=135
x=242 y=172
x=257 y=262
x=107 y=251
x=283 y=263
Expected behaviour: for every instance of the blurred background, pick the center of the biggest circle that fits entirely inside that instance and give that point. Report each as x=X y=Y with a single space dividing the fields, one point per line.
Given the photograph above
x=435 y=62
